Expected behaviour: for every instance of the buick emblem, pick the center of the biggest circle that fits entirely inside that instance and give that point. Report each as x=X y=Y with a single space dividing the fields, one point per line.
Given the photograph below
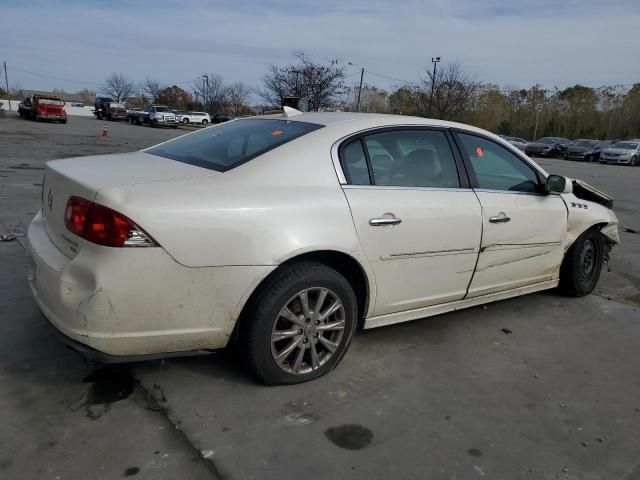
x=50 y=200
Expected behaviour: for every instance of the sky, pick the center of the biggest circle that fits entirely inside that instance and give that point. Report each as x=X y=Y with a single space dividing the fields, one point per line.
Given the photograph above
x=515 y=43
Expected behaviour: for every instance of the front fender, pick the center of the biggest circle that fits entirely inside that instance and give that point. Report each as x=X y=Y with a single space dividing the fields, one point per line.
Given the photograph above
x=584 y=214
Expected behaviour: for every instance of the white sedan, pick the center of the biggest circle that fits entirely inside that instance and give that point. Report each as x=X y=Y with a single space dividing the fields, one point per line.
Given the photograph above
x=202 y=118
x=285 y=233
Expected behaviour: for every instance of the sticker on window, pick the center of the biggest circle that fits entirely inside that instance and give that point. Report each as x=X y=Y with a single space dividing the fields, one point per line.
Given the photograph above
x=275 y=133
x=479 y=152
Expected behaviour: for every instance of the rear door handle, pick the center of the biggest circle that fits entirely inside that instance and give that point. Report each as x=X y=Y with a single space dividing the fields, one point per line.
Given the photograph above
x=382 y=221
x=499 y=219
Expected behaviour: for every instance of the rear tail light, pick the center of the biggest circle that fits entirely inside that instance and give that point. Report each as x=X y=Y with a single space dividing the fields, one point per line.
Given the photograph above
x=99 y=224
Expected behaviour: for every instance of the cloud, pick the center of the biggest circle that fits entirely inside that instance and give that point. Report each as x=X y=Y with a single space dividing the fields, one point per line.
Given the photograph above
x=504 y=42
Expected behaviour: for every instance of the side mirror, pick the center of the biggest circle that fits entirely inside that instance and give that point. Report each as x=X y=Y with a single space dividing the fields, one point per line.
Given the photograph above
x=558 y=184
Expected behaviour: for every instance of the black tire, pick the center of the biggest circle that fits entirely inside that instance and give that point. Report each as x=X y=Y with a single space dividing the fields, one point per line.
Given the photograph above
x=582 y=264
x=566 y=156
x=205 y=121
x=634 y=161
x=185 y=121
x=262 y=315
x=63 y=121
x=154 y=123
x=588 y=158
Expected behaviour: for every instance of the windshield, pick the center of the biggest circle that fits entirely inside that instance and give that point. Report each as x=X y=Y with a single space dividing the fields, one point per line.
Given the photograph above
x=230 y=144
x=625 y=145
x=548 y=140
x=162 y=109
x=49 y=101
x=584 y=143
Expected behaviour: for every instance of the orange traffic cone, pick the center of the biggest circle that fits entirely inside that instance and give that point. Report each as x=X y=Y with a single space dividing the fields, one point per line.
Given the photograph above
x=105 y=133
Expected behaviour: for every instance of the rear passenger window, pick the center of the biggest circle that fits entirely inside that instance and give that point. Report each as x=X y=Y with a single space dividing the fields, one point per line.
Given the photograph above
x=412 y=158
x=355 y=164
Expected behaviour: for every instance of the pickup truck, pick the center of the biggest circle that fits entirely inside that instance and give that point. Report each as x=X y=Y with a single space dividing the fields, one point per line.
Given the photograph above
x=156 y=116
x=106 y=108
x=43 y=107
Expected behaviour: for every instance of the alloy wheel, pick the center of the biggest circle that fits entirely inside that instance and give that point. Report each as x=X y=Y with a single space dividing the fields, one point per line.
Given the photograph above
x=308 y=331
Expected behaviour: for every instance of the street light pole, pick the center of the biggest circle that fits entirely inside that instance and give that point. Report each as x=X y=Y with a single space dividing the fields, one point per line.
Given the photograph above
x=433 y=81
x=206 y=95
x=535 y=129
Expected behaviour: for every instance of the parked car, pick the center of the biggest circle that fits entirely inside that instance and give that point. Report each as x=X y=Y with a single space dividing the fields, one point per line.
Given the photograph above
x=286 y=233
x=43 y=107
x=202 y=118
x=593 y=155
x=547 y=147
x=578 y=149
x=626 y=152
x=106 y=109
x=221 y=118
x=519 y=143
x=156 y=116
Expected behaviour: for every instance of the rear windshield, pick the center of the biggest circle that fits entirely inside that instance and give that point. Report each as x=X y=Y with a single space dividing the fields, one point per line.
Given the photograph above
x=230 y=144
x=49 y=101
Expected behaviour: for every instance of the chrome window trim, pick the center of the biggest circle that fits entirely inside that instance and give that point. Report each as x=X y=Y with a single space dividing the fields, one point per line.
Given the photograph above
x=401 y=187
x=335 y=158
x=510 y=192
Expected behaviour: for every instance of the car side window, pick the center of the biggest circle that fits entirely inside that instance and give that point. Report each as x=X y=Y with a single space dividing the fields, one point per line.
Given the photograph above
x=496 y=168
x=354 y=163
x=412 y=158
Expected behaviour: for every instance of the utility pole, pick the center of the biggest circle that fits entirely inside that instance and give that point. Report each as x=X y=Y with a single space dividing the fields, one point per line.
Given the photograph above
x=360 y=89
x=433 y=81
x=6 y=81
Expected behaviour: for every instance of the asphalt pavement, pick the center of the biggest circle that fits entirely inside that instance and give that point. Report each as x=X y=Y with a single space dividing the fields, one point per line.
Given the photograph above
x=536 y=387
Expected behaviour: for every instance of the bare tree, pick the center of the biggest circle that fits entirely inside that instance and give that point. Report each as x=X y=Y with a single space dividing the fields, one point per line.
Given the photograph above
x=454 y=91
x=322 y=85
x=87 y=96
x=152 y=88
x=118 y=87
x=372 y=99
x=212 y=90
x=238 y=97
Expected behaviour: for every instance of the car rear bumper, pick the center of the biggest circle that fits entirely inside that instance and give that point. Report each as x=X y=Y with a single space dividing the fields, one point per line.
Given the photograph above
x=135 y=301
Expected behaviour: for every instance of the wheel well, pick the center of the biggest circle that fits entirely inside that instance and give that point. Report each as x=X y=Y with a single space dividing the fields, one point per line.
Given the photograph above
x=345 y=264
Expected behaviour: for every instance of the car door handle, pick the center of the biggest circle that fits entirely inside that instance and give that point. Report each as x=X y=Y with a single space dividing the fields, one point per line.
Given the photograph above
x=499 y=219
x=382 y=221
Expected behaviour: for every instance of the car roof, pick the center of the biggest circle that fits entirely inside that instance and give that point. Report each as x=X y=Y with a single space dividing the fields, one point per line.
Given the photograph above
x=333 y=118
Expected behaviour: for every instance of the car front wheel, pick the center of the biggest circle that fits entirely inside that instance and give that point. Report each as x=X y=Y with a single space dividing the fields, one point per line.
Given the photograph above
x=185 y=121
x=582 y=264
x=205 y=121
x=299 y=324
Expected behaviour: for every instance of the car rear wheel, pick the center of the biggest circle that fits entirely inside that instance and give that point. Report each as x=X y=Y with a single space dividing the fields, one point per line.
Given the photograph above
x=205 y=121
x=582 y=264
x=299 y=324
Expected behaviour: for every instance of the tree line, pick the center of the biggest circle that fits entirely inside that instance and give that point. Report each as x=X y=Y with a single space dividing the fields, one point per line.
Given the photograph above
x=448 y=93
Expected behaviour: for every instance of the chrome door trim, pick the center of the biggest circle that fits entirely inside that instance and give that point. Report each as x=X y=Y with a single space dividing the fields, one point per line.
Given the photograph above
x=435 y=253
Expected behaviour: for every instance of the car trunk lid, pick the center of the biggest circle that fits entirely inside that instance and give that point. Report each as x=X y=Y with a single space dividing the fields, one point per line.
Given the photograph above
x=84 y=177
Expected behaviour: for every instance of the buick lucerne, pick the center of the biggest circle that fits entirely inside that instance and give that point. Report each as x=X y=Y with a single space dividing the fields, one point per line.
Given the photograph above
x=283 y=234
